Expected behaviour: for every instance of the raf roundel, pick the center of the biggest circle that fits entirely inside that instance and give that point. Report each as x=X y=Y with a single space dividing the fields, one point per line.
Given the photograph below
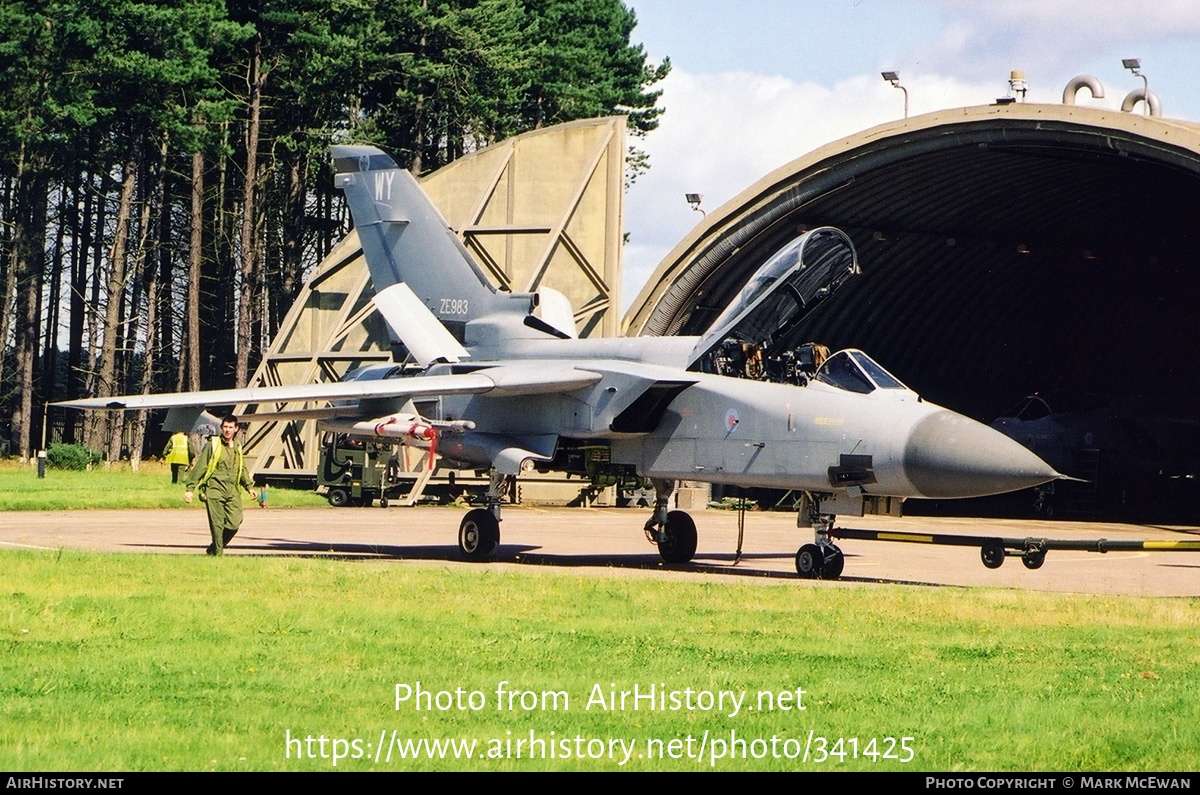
x=731 y=420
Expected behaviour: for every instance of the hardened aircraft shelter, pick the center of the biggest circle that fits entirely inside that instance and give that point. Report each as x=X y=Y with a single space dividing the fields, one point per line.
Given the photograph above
x=1007 y=250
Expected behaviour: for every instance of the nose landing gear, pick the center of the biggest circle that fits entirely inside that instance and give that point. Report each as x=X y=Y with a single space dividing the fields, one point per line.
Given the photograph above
x=824 y=559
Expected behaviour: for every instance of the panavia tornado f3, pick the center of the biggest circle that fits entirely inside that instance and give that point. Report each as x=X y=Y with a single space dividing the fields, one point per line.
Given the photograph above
x=500 y=381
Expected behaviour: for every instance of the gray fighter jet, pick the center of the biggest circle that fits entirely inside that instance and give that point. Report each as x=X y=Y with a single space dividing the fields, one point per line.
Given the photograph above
x=500 y=381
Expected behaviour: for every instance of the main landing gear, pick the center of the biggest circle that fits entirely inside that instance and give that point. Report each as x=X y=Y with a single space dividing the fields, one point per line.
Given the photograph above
x=479 y=533
x=673 y=531
x=822 y=560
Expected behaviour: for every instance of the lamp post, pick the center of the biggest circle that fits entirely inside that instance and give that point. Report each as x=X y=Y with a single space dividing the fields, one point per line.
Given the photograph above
x=894 y=79
x=1133 y=65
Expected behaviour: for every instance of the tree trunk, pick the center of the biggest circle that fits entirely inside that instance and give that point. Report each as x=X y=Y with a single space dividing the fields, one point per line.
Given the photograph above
x=28 y=260
x=8 y=266
x=291 y=265
x=168 y=352
x=46 y=382
x=94 y=422
x=195 y=260
x=419 y=105
x=79 y=248
x=218 y=315
x=149 y=275
x=418 y=135
x=113 y=309
x=247 y=305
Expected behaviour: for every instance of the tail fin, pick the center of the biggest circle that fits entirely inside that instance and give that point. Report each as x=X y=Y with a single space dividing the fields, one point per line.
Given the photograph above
x=405 y=239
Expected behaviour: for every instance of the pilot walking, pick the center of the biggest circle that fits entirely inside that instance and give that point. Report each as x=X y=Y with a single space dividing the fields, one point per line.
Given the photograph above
x=220 y=474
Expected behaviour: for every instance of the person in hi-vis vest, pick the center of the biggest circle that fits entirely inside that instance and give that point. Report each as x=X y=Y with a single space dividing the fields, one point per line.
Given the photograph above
x=177 y=455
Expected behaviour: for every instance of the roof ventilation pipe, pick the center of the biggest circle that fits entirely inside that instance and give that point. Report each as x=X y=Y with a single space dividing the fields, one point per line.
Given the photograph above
x=1082 y=81
x=1142 y=95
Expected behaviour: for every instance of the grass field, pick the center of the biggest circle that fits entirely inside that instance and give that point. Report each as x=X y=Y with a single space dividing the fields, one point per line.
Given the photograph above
x=162 y=662
x=117 y=487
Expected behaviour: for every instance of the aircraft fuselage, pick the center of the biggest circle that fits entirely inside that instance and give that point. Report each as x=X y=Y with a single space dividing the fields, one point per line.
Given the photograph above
x=673 y=424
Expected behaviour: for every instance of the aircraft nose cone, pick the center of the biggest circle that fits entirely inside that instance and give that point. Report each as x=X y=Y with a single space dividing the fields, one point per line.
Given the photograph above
x=948 y=455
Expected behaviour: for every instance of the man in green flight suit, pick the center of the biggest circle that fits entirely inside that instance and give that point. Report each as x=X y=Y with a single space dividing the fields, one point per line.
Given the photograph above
x=220 y=473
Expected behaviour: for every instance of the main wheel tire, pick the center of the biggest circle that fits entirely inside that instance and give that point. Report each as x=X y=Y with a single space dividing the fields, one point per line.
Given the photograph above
x=833 y=564
x=809 y=561
x=1034 y=558
x=339 y=498
x=679 y=539
x=479 y=534
x=992 y=555
x=383 y=502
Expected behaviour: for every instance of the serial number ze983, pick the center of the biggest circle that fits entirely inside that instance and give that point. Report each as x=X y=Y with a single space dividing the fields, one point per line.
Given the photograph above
x=824 y=749
x=454 y=306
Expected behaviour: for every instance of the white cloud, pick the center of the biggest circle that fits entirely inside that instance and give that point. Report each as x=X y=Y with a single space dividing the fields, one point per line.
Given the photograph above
x=723 y=132
x=1118 y=17
x=983 y=37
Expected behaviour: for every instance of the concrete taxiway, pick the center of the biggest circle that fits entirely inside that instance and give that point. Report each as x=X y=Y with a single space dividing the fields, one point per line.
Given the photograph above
x=608 y=541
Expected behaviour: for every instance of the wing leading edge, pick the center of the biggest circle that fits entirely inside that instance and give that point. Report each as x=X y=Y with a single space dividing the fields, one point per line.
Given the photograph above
x=503 y=380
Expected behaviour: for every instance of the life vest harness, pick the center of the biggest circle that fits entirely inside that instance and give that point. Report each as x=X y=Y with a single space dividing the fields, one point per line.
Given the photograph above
x=216 y=457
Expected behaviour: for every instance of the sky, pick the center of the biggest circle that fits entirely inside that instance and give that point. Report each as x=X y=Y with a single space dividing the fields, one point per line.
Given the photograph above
x=755 y=84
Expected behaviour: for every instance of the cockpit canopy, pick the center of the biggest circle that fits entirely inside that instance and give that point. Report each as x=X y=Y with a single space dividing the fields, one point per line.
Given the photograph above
x=781 y=292
x=854 y=371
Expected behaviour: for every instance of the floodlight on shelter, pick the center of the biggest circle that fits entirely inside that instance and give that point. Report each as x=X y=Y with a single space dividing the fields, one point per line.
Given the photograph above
x=894 y=79
x=1134 y=65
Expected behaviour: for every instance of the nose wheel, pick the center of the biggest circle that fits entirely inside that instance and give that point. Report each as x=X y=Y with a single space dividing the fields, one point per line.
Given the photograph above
x=823 y=559
x=815 y=562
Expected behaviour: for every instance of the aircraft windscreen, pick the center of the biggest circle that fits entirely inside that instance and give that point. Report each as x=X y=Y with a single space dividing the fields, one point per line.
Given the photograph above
x=841 y=371
x=882 y=378
x=856 y=372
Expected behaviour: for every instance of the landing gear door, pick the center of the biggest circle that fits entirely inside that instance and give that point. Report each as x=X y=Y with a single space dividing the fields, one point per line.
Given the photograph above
x=785 y=289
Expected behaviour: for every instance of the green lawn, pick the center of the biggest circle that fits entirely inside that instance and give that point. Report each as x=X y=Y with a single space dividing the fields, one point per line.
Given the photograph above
x=117 y=487
x=148 y=662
